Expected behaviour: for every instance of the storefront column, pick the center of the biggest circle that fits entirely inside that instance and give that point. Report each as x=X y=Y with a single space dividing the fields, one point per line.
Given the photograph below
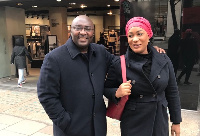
x=12 y=22
x=58 y=24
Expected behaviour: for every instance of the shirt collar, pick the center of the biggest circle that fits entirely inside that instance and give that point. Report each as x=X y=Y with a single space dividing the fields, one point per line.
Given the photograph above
x=74 y=51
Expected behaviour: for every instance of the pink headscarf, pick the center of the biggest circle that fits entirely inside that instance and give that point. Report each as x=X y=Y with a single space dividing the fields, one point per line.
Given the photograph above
x=139 y=22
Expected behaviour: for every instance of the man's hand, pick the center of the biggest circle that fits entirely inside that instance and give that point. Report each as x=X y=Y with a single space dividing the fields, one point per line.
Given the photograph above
x=124 y=89
x=160 y=50
x=175 y=130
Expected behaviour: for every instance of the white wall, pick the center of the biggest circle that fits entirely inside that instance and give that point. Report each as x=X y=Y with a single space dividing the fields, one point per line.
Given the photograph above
x=58 y=16
x=4 y=56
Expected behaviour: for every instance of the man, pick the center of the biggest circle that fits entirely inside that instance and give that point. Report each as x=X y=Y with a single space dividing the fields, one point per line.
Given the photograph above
x=71 y=83
x=173 y=51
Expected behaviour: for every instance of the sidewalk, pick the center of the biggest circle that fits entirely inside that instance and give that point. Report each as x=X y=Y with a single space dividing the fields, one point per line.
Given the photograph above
x=21 y=114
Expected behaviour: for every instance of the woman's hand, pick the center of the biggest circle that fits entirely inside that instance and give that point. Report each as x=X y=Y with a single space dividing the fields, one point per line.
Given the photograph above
x=124 y=89
x=175 y=130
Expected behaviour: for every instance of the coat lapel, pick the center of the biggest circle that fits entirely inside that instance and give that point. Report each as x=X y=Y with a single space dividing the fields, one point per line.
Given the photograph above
x=158 y=62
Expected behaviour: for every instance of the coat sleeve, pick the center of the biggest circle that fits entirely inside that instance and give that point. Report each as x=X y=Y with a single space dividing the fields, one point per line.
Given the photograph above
x=111 y=83
x=48 y=89
x=27 y=54
x=12 y=57
x=172 y=96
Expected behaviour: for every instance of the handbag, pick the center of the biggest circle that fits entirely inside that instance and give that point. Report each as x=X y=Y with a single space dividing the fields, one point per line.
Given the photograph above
x=115 y=110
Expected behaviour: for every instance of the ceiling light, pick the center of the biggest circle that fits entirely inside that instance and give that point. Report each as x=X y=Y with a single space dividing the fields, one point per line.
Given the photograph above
x=116 y=0
x=58 y=0
x=19 y=4
x=109 y=13
x=83 y=6
x=108 y=5
x=72 y=3
x=34 y=6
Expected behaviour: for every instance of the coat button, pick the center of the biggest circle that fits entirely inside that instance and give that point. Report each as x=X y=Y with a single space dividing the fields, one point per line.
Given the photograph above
x=133 y=82
x=91 y=74
x=94 y=114
x=158 y=76
x=93 y=96
x=154 y=95
x=141 y=96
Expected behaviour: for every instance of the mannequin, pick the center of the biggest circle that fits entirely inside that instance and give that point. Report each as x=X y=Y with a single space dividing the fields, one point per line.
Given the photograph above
x=112 y=39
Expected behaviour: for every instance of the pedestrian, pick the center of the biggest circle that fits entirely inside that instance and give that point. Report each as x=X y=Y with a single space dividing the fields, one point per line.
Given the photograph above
x=189 y=56
x=71 y=83
x=151 y=86
x=173 y=51
x=19 y=58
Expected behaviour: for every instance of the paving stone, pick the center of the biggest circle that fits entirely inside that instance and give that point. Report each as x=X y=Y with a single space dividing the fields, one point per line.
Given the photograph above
x=26 y=127
x=40 y=134
x=9 y=133
x=3 y=126
x=47 y=130
x=9 y=120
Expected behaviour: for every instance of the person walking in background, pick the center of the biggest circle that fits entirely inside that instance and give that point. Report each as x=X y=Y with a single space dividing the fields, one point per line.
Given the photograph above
x=19 y=58
x=189 y=56
x=173 y=51
x=151 y=86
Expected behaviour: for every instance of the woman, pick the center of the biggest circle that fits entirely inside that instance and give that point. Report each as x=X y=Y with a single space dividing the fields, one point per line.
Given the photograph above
x=151 y=86
x=19 y=56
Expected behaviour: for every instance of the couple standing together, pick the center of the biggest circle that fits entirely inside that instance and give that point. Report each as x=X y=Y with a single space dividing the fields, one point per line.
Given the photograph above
x=72 y=84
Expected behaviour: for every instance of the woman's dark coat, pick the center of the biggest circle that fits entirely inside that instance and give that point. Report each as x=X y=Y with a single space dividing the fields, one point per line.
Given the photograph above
x=145 y=113
x=70 y=89
x=19 y=56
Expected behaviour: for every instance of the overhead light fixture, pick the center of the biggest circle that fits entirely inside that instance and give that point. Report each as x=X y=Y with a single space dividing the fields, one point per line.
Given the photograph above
x=83 y=6
x=19 y=4
x=34 y=6
x=109 y=13
x=108 y=5
x=72 y=3
x=58 y=0
x=116 y=0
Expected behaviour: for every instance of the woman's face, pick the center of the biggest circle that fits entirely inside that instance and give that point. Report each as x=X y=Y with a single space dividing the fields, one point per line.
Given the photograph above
x=138 y=40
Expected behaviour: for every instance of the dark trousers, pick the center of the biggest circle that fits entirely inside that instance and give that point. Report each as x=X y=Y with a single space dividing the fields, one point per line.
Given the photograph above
x=188 y=66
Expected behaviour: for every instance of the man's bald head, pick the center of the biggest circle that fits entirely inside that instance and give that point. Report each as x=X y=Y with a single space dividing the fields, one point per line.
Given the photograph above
x=82 y=18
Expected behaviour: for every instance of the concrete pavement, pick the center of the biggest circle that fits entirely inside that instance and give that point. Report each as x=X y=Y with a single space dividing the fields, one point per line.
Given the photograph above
x=22 y=115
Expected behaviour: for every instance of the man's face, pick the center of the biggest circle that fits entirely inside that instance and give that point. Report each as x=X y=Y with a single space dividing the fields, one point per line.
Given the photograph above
x=82 y=32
